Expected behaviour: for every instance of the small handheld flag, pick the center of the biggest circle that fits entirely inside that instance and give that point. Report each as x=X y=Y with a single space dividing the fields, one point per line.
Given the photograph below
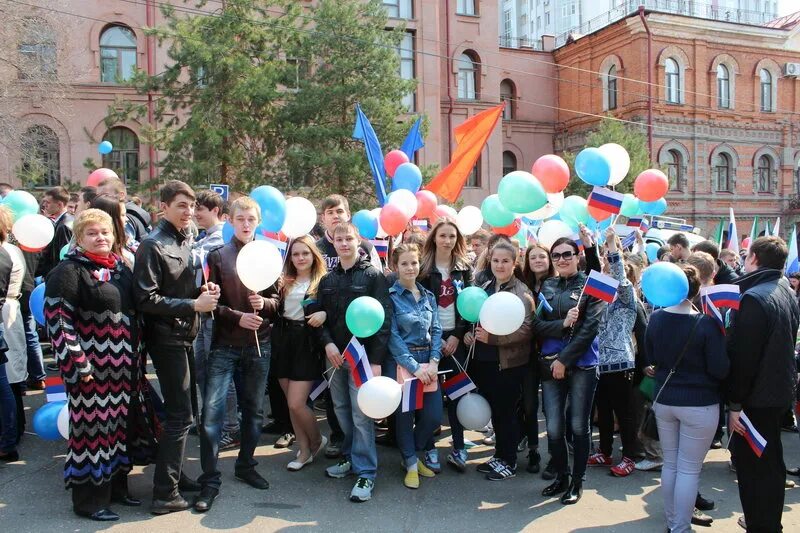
x=54 y=389
x=318 y=388
x=601 y=286
x=629 y=240
x=544 y=305
x=606 y=199
x=733 y=236
x=277 y=239
x=356 y=357
x=578 y=242
x=711 y=310
x=792 y=261
x=722 y=295
x=413 y=394
x=458 y=385
x=640 y=223
x=751 y=435
x=382 y=247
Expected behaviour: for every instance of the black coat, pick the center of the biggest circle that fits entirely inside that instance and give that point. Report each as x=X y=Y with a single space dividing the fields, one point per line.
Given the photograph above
x=725 y=274
x=51 y=255
x=433 y=282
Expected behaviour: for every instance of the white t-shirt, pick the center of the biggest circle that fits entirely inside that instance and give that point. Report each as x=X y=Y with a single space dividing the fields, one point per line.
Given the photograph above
x=447 y=301
x=293 y=304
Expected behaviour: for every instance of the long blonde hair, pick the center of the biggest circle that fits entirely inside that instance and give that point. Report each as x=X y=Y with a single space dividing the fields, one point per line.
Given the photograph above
x=458 y=259
x=318 y=268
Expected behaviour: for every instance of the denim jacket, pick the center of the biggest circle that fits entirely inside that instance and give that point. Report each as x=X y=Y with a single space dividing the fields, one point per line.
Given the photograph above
x=415 y=324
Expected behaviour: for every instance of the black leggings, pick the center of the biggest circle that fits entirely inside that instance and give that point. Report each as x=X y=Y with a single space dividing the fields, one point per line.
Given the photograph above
x=614 y=397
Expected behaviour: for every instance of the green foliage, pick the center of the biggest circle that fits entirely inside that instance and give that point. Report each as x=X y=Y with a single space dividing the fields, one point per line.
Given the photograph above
x=613 y=131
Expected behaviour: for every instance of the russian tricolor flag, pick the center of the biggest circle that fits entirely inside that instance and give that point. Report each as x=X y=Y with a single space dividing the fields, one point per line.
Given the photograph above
x=458 y=385
x=356 y=356
x=606 y=199
x=278 y=239
x=54 y=389
x=601 y=286
x=733 y=236
x=413 y=394
x=756 y=441
x=421 y=223
x=578 y=242
x=711 y=310
x=382 y=247
x=640 y=223
x=722 y=295
x=318 y=388
x=792 y=261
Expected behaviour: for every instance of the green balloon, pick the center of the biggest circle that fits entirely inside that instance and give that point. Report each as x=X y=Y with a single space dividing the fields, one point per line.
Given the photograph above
x=521 y=192
x=63 y=253
x=21 y=203
x=574 y=211
x=630 y=205
x=469 y=303
x=364 y=316
x=494 y=213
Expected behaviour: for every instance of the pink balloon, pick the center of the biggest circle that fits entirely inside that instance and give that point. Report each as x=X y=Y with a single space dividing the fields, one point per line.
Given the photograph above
x=393 y=220
x=650 y=185
x=509 y=230
x=444 y=211
x=552 y=172
x=97 y=176
x=426 y=203
x=394 y=159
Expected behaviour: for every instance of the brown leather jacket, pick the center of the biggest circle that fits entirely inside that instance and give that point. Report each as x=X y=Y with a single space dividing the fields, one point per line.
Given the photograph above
x=515 y=349
x=234 y=302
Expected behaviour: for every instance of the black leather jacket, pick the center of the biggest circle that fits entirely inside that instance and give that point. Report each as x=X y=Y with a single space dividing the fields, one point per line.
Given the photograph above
x=164 y=287
x=433 y=282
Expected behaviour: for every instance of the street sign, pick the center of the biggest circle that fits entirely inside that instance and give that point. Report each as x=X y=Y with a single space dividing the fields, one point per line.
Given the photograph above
x=220 y=189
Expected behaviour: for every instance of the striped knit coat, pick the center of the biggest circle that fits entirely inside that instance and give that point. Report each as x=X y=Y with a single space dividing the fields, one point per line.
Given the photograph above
x=91 y=321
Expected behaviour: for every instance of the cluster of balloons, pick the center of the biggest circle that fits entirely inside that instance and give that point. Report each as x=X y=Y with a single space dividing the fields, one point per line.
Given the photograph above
x=501 y=313
x=51 y=421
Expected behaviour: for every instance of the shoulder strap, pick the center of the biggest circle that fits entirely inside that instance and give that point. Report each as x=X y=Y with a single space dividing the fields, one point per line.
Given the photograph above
x=680 y=357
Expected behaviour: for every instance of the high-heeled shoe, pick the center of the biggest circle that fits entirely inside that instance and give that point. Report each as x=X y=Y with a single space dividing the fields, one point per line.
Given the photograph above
x=556 y=487
x=573 y=494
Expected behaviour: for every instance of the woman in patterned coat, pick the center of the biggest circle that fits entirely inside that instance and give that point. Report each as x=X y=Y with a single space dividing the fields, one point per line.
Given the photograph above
x=91 y=321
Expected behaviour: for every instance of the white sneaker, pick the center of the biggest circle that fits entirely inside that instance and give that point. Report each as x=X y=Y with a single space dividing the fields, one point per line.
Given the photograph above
x=647 y=465
x=362 y=491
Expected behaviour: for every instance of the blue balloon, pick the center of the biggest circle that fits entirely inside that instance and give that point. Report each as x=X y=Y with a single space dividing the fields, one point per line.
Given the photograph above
x=659 y=207
x=651 y=249
x=37 y=304
x=45 y=420
x=367 y=223
x=105 y=147
x=593 y=167
x=664 y=284
x=407 y=176
x=227 y=232
x=273 y=206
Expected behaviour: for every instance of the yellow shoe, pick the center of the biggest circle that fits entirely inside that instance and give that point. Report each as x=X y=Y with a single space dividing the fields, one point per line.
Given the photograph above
x=424 y=471
x=412 y=479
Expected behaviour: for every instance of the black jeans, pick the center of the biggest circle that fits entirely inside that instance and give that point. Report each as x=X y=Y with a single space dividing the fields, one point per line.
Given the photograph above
x=175 y=370
x=614 y=397
x=528 y=411
x=502 y=389
x=761 y=480
x=449 y=363
x=90 y=498
x=279 y=407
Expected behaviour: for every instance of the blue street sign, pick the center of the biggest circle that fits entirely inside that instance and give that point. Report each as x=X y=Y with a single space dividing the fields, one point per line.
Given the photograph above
x=220 y=189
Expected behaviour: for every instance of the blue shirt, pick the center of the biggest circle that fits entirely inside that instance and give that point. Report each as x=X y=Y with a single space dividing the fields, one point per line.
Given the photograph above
x=415 y=324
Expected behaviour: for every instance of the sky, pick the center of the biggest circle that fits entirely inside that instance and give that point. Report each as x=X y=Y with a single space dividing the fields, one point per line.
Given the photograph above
x=788 y=6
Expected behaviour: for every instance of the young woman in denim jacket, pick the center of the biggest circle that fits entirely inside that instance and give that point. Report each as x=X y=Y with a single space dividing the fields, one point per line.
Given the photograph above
x=416 y=340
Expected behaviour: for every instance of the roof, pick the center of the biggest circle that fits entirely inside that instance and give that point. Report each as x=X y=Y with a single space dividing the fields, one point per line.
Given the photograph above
x=786 y=22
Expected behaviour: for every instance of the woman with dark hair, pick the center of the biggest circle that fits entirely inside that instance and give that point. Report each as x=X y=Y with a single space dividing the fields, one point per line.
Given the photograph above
x=794 y=281
x=445 y=271
x=568 y=366
x=116 y=210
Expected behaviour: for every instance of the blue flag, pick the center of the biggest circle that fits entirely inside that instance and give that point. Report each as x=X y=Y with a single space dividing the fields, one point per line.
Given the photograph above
x=363 y=132
x=792 y=261
x=413 y=140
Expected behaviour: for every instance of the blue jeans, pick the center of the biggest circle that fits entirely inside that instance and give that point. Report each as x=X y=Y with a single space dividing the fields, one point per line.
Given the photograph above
x=358 y=428
x=412 y=438
x=222 y=362
x=8 y=414
x=35 y=359
x=579 y=386
x=202 y=348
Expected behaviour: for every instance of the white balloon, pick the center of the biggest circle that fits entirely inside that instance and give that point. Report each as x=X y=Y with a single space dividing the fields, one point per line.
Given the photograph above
x=33 y=231
x=259 y=265
x=381 y=232
x=63 y=421
x=473 y=411
x=301 y=215
x=554 y=201
x=379 y=397
x=502 y=313
x=620 y=162
x=552 y=230
x=469 y=220
x=405 y=200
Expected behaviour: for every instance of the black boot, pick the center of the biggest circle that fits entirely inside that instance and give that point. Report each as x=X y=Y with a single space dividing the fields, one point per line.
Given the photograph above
x=556 y=487
x=574 y=493
x=534 y=460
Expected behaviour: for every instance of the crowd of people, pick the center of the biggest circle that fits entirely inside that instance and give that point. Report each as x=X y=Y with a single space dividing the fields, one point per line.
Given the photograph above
x=121 y=289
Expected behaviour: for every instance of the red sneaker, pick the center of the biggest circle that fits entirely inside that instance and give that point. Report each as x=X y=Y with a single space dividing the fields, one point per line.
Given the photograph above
x=625 y=468
x=599 y=459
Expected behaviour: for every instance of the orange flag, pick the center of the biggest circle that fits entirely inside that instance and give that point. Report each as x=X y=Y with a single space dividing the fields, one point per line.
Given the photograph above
x=471 y=136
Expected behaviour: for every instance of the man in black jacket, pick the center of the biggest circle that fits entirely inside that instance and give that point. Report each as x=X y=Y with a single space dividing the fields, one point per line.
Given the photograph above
x=353 y=277
x=167 y=295
x=762 y=380
x=725 y=274
x=54 y=204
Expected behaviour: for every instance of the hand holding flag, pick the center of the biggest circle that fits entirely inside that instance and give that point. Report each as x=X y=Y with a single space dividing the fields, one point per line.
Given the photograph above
x=600 y=286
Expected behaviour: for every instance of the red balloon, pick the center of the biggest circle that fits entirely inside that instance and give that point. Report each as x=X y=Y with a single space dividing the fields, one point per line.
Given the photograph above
x=509 y=230
x=426 y=203
x=97 y=176
x=393 y=220
x=552 y=172
x=598 y=214
x=650 y=185
x=394 y=159
x=443 y=211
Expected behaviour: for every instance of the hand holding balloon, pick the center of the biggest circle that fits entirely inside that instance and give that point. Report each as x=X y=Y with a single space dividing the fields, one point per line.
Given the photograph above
x=256 y=301
x=481 y=335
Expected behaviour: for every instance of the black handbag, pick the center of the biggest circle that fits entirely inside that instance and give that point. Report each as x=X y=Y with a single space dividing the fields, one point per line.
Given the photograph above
x=649 y=427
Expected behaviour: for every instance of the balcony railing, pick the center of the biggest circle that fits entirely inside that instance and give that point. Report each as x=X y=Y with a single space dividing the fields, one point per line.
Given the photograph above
x=524 y=43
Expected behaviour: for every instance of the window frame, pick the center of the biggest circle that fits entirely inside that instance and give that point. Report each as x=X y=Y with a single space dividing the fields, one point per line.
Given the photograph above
x=36 y=139
x=676 y=163
x=464 y=89
x=723 y=87
x=119 y=52
x=611 y=88
x=509 y=112
x=475 y=177
x=727 y=167
x=672 y=81
x=38 y=47
x=761 y=170
x=766 y=97
x=407 y=58
x=119 y=157
x=516 y=162
x=467 y=7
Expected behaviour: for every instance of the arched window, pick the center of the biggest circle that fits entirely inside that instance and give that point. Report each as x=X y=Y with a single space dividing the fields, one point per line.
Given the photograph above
x=37 y=50
x=612 y=87
x=124 y=158
x=509 y=162
x=467 y=78
x=474 y=178
x=764 y=174
x=41 y=158
x=723 y=87
x=766 y=90
x=674 y=162
x=507 y=95
x=724 y=171
x=672 y=82
x=117 y=54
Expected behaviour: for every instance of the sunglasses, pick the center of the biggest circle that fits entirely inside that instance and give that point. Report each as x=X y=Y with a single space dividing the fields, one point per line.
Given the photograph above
x=566 y=256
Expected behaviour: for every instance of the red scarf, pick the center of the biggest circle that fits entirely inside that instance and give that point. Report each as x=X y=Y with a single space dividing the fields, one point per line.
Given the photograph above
x=109 y=261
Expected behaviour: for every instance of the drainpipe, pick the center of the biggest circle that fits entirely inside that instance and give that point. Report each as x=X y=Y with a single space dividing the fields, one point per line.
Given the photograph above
x=649 y=82
x=150 y=18
x=449 y=81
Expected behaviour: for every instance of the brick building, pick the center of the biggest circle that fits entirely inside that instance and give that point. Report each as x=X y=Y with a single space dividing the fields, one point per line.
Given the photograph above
x=720 y=100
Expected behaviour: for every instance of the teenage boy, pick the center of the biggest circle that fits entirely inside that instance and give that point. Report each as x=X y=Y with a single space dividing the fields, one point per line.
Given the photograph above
x=353 y=276
x=167 y=295
x=241 y=342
